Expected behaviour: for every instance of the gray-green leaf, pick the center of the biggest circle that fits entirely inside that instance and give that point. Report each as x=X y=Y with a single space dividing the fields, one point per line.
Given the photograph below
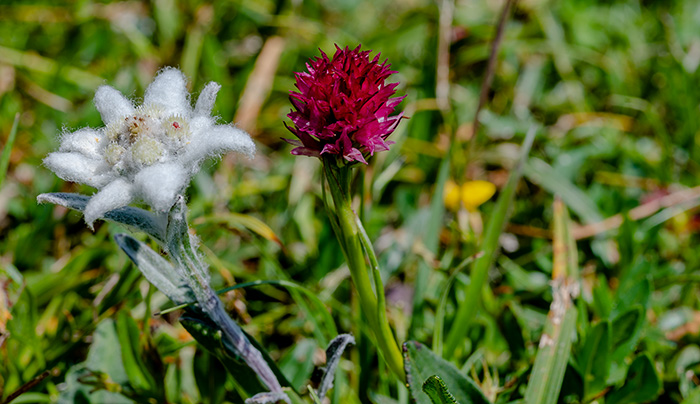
x=135 y=218
x=156 y=269
x=333 y=352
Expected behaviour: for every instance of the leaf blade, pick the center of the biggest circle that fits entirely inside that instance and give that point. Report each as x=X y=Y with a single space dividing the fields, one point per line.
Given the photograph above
x=7 y=149
x=438 y=392
x=467 y=309
x=156 y=269
x=135 y=218
x=421 y=363
x=556 y=341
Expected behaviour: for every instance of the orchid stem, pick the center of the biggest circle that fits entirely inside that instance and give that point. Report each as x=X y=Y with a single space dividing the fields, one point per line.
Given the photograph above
x=353 y=239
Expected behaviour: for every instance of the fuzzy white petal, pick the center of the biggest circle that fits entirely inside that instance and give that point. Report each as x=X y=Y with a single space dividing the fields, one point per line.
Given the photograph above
x=110 y=158
x=218 y=140
x=112 y=104
x=85 y=141
x=159 y=184
x=169 y=91
x=201 y=124
x=205 y=102
x=76 y=167
x=116 y=194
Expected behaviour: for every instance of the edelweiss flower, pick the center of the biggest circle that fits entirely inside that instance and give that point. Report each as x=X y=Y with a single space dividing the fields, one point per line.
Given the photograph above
x=149 y=152
x=343 y=106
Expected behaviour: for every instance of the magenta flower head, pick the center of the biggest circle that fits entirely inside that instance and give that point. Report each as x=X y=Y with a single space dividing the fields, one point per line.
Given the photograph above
x=343 y=106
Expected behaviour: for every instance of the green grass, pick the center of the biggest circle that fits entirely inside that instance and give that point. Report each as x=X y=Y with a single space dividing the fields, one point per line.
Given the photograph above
x=613 y=86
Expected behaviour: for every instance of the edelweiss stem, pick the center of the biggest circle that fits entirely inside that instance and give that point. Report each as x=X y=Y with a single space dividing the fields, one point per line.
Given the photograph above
x=352 y=238
x=183 y=251
x=211 y=304
x=252 y=357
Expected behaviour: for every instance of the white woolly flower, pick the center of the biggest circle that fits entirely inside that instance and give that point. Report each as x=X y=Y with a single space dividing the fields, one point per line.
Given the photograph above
x=149 y=152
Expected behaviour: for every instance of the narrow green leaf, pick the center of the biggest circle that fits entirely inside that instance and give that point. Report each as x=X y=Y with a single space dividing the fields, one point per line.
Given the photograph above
x=128 y=334
x=548 y=178
x=421 y=363
x=33 y=398
x=7 y=149
x=298 y=362
x=13 y=273
x=192 y=49
x=314 y=396
x=602 y=298
x=490 y=245
x=550 y=363
x=249 y=222
x=442 y=305
x=555 y=344
x=632 y=293
x=594 y=360
x=294 y=396
x=430 y=237
x=624 y=325
x=31 y=61
x=210 y=376
x=438 y=392
x=168 y=19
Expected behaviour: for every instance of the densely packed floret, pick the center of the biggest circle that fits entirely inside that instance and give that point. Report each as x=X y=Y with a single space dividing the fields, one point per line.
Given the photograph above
x=343 y=106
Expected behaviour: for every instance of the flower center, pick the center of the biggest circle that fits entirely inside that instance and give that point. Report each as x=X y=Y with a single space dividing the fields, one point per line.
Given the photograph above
x=145 y=138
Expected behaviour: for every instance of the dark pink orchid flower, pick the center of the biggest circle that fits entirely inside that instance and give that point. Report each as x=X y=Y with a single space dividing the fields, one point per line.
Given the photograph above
x=343 y=106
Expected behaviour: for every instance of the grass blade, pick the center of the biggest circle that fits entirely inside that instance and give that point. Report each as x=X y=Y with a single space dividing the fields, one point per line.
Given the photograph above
x=430 y=239
x=467 y=308
x=544 y=175
x=249 y=222
x=7 y=150
x=40 y=64
x=555 y=344
x=442 y=305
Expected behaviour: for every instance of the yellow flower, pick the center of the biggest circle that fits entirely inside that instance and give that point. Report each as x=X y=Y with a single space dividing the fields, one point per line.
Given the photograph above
x=451 y=195
x=474 y=193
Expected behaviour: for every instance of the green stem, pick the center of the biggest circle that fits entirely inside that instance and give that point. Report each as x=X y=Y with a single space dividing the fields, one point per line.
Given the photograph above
x=384 y=328
x=352 y=237
x=374 y=264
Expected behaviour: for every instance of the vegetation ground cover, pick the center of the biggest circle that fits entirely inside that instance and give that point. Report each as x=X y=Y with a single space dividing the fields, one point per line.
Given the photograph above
x=609 y=90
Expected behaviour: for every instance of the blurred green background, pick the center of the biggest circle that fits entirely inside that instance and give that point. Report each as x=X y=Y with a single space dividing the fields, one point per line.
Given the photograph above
x=612 y=87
